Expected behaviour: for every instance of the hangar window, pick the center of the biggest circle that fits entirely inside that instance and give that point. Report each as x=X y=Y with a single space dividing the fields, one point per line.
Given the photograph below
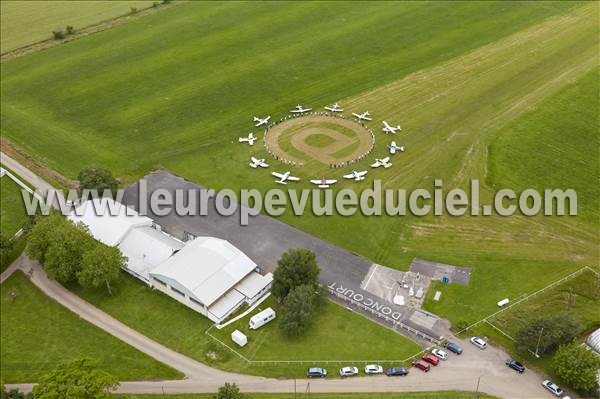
x=177 y=291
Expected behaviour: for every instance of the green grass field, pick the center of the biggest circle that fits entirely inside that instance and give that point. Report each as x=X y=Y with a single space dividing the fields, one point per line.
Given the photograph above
x=37 y=333
x=26 y=22
x=183 y=330
x=406 y=395
x=483 y=90
x=12 y=208
x=332 y=338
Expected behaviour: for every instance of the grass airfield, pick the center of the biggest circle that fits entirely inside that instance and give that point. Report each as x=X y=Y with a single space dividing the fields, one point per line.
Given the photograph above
x=465 y=80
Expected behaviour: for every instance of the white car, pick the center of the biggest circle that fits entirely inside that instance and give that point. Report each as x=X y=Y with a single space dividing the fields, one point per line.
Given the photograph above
x=478 y=342
x=552 y=387
x=440 y=354
x=373 y=369
x=348 y=371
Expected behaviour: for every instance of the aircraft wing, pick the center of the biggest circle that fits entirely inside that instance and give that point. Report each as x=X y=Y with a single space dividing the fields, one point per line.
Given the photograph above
x=386 y=159
x=361 y=174
x=293 y=178
x=315 y=181
x=350 y=176
x=376 y=164
x=330 y=181
x=254 y=160
x=278 y=175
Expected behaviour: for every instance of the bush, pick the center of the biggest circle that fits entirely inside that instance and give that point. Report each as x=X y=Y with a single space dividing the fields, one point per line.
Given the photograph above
x=577 y=366
x=70 y=30
x=134 y=10
x=557 y=330
x=99 y=179
x=58 y=34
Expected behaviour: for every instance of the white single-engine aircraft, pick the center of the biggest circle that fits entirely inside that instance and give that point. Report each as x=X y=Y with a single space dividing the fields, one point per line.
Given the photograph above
x=390 y=129
x=250 y=139
x=357 y=176
x=385 y=162
x=261 y=121
x=284 y=177
x=395 y=147
x=300 y=110
x=323 y=183
x=255 y=163
x=334 y=108
x=365 y=116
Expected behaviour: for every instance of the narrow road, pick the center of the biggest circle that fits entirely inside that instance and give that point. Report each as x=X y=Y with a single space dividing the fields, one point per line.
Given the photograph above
x=474 y=369
x=26 y=174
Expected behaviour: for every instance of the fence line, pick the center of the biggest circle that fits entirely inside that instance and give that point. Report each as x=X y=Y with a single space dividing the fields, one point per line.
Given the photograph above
x=500 y=331
x=559 y=281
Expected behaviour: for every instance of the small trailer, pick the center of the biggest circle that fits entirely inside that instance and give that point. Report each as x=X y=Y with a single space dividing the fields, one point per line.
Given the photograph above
x=239 y=338
x=261 y=318
x=503 y=303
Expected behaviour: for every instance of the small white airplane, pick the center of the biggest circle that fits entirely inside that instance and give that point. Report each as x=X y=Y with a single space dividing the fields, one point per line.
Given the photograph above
x=395 y=147
x=255 y=163
x=250 y=139
x=300 y=110
x=385 y=162
x=284 y=177
x=334 y=108
x=357 y=176
x=390 y=129
x=261 y=121
x=365 y=116
x=323 y=183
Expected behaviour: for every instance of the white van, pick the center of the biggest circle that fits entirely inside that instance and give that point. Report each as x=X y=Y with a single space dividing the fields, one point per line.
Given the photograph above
x=261 y=318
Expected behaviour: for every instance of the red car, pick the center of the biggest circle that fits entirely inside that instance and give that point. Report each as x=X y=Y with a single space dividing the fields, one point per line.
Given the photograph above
x=429 y=358
x=422 y=365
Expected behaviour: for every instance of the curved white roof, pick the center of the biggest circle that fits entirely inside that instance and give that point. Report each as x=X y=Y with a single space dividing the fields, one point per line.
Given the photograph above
x=205 y=268
x=108 y=220
x=593 y=340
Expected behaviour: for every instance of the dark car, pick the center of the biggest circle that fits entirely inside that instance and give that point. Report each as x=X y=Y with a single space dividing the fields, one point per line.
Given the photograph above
x=394 y=371
x=452 y=347
x=422 y=365
x=429 y=358
x=316 y=372
x=513 y=364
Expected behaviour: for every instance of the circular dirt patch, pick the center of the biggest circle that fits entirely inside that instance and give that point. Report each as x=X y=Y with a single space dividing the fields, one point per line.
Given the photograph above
x=331 y=140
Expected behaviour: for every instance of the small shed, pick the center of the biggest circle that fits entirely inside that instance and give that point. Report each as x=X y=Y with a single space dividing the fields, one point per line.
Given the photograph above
x=239 y=338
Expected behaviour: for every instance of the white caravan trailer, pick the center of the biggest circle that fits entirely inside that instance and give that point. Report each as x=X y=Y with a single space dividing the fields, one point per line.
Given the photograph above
x=262 y=318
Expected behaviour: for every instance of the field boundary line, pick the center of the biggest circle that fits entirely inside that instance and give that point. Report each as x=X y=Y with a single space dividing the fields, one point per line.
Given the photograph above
x=500 y=331
x=562 y=279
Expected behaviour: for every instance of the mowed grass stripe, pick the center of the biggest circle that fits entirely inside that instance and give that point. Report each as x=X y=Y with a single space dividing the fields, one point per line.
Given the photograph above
x=300 y=63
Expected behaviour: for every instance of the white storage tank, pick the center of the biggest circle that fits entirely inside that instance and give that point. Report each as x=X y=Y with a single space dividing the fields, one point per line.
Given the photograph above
x=261 y=318
x=239 y=338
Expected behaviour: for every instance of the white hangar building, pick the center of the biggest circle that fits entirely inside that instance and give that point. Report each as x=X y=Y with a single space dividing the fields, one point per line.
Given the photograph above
x=207 y=274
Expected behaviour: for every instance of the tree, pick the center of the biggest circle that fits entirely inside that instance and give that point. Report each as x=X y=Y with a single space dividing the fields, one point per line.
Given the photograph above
x=230 y=391
x=38 y=240
x=99 y=179
x=67 y=244
x=296 y=267
x=6 y=248
x=79 y=379
x=100 y=265
x=577 y=366
x=557 y=330
x=298 y=310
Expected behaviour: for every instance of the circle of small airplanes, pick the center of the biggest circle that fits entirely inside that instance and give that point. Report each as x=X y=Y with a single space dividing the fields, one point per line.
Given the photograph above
x=284 y=178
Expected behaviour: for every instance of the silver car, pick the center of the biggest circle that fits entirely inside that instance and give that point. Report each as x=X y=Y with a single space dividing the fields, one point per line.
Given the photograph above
x=373 y=369
x=348 y=371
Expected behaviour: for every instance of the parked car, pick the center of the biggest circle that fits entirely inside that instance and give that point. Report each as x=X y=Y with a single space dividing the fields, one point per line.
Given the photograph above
x=373 y=369
x=348 y=371
x=420 y=364
x=396 y=371
x=513 y=364
x=429 y=358
x=552 y=387
x=316 y=372
x=478 y=342
x=452 y=347
x=440 y=354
